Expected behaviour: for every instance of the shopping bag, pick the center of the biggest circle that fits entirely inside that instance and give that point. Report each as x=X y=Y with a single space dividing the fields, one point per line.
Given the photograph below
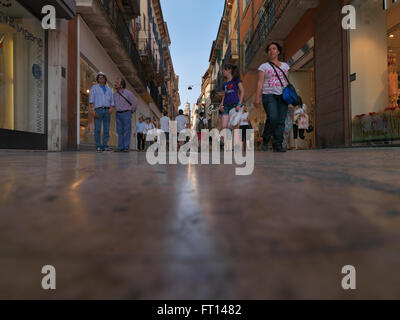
x=303 y=122
x=234 y=117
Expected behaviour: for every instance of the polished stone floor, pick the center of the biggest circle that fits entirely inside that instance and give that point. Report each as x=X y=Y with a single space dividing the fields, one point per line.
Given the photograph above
x=116 y=227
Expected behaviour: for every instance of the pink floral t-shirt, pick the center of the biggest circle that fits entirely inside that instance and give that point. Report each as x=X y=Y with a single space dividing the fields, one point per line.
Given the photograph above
x=272 y=84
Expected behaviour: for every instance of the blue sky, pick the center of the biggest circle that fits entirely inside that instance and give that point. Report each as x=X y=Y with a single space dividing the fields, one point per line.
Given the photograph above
x=193 y=26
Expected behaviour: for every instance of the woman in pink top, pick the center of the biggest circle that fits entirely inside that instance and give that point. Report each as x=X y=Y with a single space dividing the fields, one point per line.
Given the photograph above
x=270 y=87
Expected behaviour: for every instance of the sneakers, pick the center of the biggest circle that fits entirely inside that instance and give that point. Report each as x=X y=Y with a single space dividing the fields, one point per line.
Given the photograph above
x=99 y=150
x=108 y=149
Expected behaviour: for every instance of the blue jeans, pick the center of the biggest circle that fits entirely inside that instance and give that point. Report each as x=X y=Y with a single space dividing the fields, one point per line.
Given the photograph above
x=124 y=129
x=103 y=118
x=228 y=108
x=276 y=110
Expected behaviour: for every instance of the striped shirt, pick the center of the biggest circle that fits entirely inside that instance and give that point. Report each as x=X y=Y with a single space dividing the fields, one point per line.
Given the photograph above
x=101 y=99
x=121 y=104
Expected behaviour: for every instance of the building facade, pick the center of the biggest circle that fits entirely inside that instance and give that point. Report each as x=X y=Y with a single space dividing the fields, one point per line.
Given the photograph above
x=33 y=65
x=49 y=109
x=347 y=78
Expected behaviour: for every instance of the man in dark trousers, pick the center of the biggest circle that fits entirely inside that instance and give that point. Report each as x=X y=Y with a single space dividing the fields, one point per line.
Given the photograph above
x=125 y=105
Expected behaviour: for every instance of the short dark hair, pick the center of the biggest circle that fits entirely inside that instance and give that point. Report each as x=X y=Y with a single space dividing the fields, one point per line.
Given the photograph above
x=234 y=69
x=165 y=113
x=181 y=112
x=123 y=83
x=274 y=44
x=202 y=114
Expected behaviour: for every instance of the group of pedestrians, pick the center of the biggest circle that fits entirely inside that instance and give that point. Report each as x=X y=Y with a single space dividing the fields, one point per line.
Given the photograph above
x=273 y=79
x=145 y=126
x=103 y=102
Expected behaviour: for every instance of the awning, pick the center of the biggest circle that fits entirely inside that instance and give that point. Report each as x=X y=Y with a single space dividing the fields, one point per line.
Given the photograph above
x=66 y=9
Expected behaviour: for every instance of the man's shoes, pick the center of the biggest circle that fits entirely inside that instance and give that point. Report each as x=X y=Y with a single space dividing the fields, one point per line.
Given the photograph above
x=108 y=149
x=126 y=150
x=99 y=150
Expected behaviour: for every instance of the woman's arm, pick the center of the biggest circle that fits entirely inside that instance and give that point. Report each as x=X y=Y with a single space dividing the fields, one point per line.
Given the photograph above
x=221 y=106
x=260 y=85
x=241 y=95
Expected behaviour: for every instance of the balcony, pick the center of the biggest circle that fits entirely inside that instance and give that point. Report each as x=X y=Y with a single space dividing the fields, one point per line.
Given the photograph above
x=108 y=23
x=131 y=8
x=156 y=96
x=279 y=18
x=232 y=53
x=147 y=58
x=217 y=91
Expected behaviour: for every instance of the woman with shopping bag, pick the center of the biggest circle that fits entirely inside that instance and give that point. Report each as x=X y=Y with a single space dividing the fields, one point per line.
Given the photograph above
x=233 y=94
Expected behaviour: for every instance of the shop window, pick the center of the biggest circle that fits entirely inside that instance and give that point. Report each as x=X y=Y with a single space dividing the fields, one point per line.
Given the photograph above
x=22 y=70
x=87 y=80
x=375 y=69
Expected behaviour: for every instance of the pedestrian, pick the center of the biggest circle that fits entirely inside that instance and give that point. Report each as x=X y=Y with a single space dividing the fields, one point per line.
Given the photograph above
x=164 y=126
x=244 y=126
x=125 y=106
x=201 y=124
x=298 y=128
x=139 y=132
x=181 y=124
x=149 y=126
x=271 y=88
x=101 y=102
x=233 y=93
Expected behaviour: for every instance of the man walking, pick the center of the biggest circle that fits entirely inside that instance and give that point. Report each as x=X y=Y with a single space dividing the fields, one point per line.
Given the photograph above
x=125 y=106
x=139 y=131
x=181 y=122
x=101 y=105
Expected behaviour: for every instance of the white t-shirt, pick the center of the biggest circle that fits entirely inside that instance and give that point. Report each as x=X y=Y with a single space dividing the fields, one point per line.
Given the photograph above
x=164 y=124
x=244 y=120
x=181 y=122
x=272 y=84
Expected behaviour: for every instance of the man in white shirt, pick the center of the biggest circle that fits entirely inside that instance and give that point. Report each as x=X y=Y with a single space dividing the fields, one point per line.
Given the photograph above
x=181 y=124
x=164 y=125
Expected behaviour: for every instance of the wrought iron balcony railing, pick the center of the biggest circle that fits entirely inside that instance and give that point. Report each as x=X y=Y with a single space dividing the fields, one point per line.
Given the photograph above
x=157 y=97
x=232 y=53
x=117 y=19
x=271 y=16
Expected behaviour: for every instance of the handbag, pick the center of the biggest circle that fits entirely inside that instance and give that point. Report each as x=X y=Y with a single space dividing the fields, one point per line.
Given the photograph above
x=289 y=92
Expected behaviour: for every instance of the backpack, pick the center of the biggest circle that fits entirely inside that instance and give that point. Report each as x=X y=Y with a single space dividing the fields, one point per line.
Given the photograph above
x=201 y=125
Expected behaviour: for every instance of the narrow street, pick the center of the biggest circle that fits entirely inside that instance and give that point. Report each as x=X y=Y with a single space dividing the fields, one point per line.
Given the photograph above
x=116 y=227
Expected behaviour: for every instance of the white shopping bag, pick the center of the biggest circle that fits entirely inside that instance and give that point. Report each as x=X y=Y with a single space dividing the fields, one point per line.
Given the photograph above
x=235 y=117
